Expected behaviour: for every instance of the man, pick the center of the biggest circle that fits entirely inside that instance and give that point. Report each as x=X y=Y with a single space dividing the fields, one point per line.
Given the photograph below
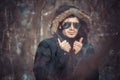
x=65 y=55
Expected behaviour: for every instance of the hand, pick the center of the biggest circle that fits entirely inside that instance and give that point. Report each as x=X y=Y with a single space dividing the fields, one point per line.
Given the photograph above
x=64 y=45
x=78 y=45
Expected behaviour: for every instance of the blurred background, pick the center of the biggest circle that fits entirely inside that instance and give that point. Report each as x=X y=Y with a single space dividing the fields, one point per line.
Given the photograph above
x=24 y=23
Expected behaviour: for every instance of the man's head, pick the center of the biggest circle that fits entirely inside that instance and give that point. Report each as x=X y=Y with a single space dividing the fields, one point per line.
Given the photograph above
x=70 y=26
x=71 y=22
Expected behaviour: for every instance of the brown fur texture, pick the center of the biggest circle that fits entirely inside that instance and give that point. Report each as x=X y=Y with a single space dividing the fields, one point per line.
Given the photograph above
x=66 y=13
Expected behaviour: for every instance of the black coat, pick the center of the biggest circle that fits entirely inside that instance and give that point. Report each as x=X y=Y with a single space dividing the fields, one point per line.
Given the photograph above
x=52 y=63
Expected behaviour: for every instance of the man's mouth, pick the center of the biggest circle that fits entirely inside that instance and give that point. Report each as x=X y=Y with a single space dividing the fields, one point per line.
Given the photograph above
x=71 y=32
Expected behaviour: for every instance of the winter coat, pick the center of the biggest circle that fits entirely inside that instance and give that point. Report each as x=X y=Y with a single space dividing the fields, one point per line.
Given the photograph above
x=52 y=63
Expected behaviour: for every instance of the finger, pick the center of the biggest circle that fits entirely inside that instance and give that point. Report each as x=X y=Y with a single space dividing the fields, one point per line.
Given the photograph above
x=59 y=41
x=81 y=39
x=77 y=43
x=63 y=42
x=65 y=45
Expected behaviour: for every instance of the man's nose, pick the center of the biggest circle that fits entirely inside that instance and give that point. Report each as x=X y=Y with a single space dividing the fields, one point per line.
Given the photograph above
x=71 y=26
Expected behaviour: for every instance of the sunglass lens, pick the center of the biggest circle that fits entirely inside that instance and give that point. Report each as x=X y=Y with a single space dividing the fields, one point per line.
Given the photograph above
x=77 y=25
x=66 y=25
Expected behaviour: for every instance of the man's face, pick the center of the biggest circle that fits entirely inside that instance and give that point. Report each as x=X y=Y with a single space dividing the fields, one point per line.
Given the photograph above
x=70 y=27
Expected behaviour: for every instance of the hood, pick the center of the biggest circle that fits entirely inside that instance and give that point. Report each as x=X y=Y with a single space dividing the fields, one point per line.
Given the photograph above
x=68 y=12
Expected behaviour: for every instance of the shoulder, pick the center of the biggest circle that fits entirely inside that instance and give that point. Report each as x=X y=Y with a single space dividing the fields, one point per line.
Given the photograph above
x=89 y=48
x=47 y=42
x=47 y=47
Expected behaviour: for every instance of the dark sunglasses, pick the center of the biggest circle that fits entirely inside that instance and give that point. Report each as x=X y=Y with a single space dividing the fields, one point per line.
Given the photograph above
x=68 y=24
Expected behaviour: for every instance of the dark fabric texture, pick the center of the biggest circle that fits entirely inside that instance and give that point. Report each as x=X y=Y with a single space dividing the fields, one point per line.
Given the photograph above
x=52 y=63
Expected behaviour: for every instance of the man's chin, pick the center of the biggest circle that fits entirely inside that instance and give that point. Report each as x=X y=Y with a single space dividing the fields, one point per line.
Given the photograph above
x=72 y=36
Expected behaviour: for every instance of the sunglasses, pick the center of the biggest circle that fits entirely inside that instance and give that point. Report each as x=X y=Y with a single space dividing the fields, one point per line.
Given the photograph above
x=68 y=24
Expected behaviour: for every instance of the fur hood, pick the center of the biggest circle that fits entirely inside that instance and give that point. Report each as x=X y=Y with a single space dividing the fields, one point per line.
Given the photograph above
x=63 y=15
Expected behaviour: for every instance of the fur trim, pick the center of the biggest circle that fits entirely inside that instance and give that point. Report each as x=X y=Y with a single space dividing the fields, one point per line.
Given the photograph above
x=66 y=13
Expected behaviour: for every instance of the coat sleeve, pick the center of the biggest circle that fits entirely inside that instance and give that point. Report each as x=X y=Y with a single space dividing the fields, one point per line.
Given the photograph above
x=43 y=65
